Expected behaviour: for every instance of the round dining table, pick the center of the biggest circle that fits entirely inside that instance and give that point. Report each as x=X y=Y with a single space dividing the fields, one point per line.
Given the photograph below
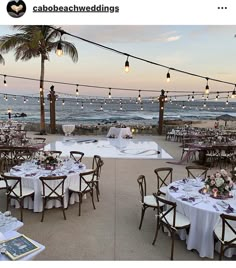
x=203 y=212
x=30 y=172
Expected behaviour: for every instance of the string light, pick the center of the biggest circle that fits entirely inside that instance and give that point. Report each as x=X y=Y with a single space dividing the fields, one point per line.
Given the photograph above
x=204 y=105
x=59 y=51
x=207 y=87
x=183 y=106
x=101 y=108
x=139 y=96
x=82 y=106
x=63 y=102
x=141 y=108
x=5 y=81
x=121 y=108
x=217 y=96
x=193 y=96
x=24 y=100
x=127 y=65
x=77 y=90
x=168 y=77
x=109 y=94
x=227 y=102
x=188 y=98
x=234 y=92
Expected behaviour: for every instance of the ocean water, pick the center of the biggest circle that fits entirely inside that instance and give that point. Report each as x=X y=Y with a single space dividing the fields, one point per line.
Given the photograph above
x=95 y=111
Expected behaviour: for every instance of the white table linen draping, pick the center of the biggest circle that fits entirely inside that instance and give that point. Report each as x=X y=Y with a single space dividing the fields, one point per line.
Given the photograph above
x=31 y=180
x=30 y=256
x=119 y=132
x=202 y=215
x=68 y=129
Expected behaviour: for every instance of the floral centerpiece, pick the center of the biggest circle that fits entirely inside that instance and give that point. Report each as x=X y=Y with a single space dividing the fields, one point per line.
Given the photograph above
x=219 y=184
x=47 y=160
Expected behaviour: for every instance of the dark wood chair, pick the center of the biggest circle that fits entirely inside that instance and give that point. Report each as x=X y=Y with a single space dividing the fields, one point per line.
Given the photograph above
x=169 y=218
x=15 y=190
x=225 y=233
x=196 y=171
x=76 y=155
x=164 y=178
x=56 y=153
x=147 y=201
x=53 y=189
x=84 y=186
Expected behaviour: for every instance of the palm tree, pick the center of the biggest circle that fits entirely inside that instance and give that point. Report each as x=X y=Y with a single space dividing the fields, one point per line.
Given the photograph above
x=34 y=41
x=2 y=60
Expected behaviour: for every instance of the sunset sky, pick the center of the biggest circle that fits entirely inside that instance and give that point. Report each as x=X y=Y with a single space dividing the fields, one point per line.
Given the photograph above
x=205 y=50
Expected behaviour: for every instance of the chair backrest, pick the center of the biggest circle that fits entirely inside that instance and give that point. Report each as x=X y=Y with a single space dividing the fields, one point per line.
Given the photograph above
x=85 y=185
x=97 y=165
x=227 y=221
x=170 y=209
x=13 y=183
x=53 y=186
x=164 y=176
x=142 y=186
x=76 y=155
x=39 y=140
x=56 y=153
x=196 y=171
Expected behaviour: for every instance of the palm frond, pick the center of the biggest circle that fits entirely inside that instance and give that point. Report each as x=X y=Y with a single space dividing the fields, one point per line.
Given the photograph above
x=2 y=61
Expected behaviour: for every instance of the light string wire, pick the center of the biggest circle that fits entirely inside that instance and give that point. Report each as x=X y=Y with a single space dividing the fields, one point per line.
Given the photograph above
x=62 y=32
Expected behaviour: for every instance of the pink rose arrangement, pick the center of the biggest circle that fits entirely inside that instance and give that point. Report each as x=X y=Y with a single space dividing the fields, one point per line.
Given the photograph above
x=219 y=184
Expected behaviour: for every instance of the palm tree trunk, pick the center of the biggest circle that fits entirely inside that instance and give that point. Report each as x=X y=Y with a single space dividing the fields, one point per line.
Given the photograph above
x=42 y=111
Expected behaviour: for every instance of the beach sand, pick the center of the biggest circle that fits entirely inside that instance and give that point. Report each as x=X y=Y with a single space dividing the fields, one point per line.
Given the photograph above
x=111 y=231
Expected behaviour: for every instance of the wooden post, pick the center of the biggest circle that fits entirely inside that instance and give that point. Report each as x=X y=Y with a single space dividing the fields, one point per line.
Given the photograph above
x=161 y=111
x=52 y=99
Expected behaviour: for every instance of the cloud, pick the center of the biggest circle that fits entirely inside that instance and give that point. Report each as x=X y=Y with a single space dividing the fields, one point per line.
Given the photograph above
x=173 y=38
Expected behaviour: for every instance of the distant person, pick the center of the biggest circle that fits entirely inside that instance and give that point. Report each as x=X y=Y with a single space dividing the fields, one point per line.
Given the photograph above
x=216 y=124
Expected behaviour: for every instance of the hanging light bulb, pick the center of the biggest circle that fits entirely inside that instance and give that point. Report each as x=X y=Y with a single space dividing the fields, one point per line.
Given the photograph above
x=77 y=90
x=5 y=81
x=217 y=96
x=14 y=98
x=121 y=108
x=227 y=102
x=59 y=51
x=139 y=96
x=141 y=108
x=183 y=106
x=207 y=87
x=43 y=103
x=234 y=92
x=38 y=99
x=175 y=98
x=63 y=102
x=24 y=100
x=109 y=94
x=127 y=65
x=168 y=77
x=101 y=108
x=193 y=96
x=6 y=99
x=188 y=98
x=82 y=106
x=204 y=105
x=170 y=100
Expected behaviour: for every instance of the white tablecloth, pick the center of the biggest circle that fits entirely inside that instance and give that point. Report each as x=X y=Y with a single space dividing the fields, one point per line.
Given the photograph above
x=33 y=182
x=203 y=218
x=68 y=129
x=119 y=132
x=28 y=257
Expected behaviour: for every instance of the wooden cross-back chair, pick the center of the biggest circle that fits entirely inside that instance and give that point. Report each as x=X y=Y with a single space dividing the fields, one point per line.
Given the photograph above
x=164 y=178
x=196 y=171
x=15 y=190
x=84 y=186
x=53 y=189
x=225 y=233
x=76 y=155
x=169 y=218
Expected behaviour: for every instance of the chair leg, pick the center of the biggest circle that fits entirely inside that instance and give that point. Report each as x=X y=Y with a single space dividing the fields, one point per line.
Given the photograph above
x=44 y=205
x=8 y=201
x=142 y=215
x=172 y=245
x=157 y=230
x=63 y=208
x=80 y=202
x=92 y=199
x=221 y=252
x=97 y=191
x=21 y=209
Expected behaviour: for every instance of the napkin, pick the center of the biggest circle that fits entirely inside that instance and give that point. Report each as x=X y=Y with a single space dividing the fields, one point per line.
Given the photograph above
x=188 y=199
x=185 y=180
x=229 y=209
x=16 y=169
x=173 y=188
x=30 y=174
x=71 y=171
